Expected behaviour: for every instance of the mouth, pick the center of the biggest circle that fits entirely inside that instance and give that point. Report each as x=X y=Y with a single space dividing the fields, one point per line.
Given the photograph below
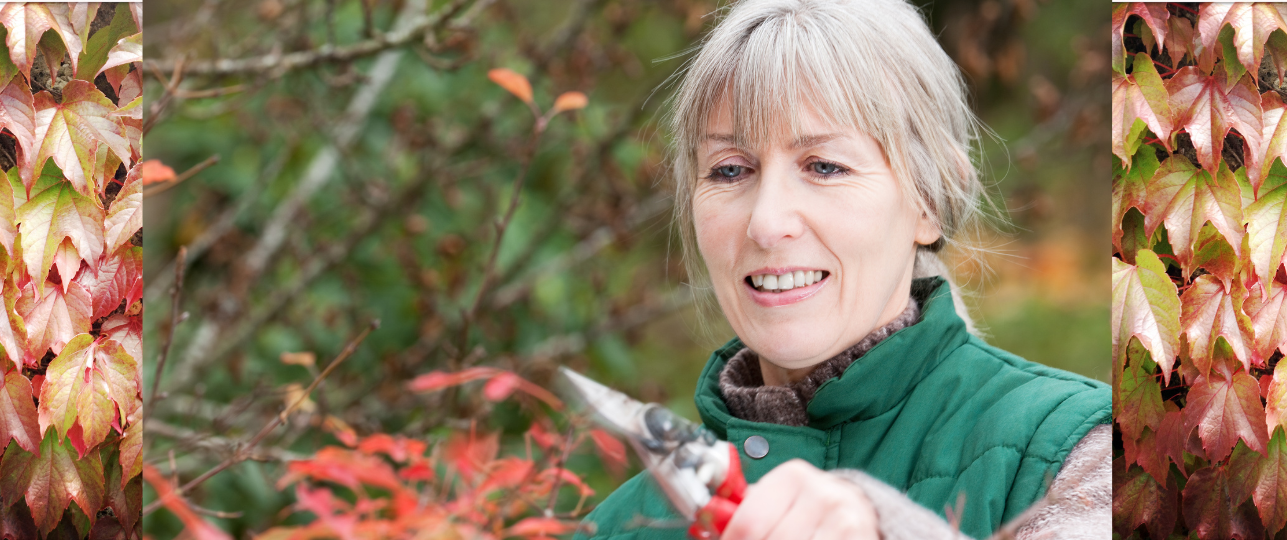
x=777 y=283
x=783 y=286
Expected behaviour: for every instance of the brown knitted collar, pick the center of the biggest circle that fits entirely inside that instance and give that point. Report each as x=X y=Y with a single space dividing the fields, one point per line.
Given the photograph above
x=749 y=398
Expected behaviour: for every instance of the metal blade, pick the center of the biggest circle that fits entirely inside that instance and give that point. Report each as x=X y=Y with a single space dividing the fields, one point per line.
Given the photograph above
x=615 y=410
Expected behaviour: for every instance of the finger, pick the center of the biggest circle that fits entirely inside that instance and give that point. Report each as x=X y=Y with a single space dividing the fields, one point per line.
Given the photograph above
x=849 y=517
x=800 y=520
x=767 y=501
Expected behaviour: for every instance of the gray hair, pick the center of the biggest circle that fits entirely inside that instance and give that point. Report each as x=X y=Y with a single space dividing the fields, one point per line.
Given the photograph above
x=872 y=65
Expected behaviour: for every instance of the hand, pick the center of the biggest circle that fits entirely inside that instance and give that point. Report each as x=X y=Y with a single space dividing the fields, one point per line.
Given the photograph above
x=797 y=501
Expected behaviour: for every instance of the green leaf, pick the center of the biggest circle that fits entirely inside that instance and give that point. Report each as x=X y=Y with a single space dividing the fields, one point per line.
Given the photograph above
x=1130 y=190
x=1212 y=311
x=1183 y=198
x=50 y=481
x=18 y=420
x=89 y=383
x=52 y=214
x=74 y=131
x=1140 y=401
x=1139 y=96
x=93 y=58
x=1146 y=306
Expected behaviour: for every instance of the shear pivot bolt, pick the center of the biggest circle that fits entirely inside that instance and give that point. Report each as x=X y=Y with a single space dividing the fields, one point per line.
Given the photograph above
x=756 y=446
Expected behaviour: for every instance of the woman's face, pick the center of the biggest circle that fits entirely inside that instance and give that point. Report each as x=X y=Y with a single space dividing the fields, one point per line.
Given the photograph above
x=771 y=220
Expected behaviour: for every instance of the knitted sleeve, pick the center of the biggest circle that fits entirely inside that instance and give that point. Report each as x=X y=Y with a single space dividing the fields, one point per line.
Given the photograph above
x=1077 y=506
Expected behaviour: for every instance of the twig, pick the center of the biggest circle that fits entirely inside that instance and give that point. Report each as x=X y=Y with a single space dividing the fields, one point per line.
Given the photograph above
x=558 y=478
x=176 y=298
x=243 y=451
x=277 y=64
x=209 y=162
x=489 y=270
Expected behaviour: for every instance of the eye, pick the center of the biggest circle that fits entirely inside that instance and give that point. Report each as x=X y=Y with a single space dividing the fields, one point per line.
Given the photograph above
x=727 y=173
x=826 y=168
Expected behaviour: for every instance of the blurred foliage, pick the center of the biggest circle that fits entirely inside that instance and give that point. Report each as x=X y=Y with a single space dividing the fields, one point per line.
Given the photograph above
x=402 y=223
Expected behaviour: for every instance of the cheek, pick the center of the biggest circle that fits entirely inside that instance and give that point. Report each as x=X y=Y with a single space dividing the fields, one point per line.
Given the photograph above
x=719 y=231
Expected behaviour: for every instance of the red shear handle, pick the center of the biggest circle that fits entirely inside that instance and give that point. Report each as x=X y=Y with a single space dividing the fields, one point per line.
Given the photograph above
x=713 y=518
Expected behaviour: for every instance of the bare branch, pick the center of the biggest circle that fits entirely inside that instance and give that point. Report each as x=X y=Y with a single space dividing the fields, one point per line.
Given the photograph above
x=176 y=298
x=209 y=162
x=242 y=452
x=410 y=31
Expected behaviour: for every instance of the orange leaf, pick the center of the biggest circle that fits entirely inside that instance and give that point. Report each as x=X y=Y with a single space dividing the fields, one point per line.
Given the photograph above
x=610 y=450
x=501 y=386
x=513 y=82
x=570 y=101
x=153 y=171
x=539 y=526
x=198 y=527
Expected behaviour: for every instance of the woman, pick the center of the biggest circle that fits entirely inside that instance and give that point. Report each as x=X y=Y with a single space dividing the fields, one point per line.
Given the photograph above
x=821 y=152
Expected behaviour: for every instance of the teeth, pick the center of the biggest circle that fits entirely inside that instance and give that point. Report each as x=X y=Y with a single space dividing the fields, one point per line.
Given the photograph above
x=787 y=281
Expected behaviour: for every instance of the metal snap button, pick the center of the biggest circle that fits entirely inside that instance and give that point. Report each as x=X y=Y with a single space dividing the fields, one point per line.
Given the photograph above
x=756 y=446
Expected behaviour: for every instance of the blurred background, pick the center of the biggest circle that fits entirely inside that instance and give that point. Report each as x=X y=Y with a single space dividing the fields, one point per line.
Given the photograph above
x=348 y=161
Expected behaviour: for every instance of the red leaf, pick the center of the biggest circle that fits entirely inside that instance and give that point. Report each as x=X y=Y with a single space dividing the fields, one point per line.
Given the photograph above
x=1130 y=190
x=48 y=482
x=543 y=438
x=52 y=318
x=132 y=451
x=506 y=473
x=1268 y=320
x=1213 y=311
x=437 y=380
x=117 y=276
x=27 y=22
x=399 y=448
x=88 y=383
x=124 y=492
x=1206 y=503
x=470 y=454
x=128 y=331
x=1154 y=15
x=1146 y=306
x=1139 y=401
x=1269 y=491
x=1267 y=233
x=501 y=386
x=1139 y=500
x=73 y=132
x=345 y=467
x=13 y=333
x=539 y=526
x=513 y=82
x=1179 y=39
x=610 y=450
x=16 y=523
x=199 y=528
x=18 y=412
x=322 y=503
x=1147 y=454
x=18 y=115
x=1252 y=24
x=54 y=212
x=1172 y=435
x=1225 y=406
x=125 y=217
x=1140 y=95
x=1203 y=108
x=1185 y=197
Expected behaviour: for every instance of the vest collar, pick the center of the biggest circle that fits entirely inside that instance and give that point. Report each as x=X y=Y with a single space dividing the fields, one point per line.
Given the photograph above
x=873 y=384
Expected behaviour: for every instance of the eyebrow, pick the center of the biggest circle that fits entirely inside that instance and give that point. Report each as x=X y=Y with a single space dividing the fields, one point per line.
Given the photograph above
x=802 y=142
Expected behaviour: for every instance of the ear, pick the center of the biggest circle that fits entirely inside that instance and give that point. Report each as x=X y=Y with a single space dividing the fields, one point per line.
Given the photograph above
x=927 y=230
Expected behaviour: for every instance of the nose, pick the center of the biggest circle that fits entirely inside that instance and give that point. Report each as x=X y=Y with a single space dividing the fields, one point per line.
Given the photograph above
x=776 y=215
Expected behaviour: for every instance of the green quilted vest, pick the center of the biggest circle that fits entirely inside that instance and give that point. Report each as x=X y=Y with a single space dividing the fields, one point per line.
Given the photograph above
x=931 y=410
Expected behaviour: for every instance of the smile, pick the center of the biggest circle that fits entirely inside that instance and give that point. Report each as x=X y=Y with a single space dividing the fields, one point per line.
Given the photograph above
x=779 y=287
x=778 y=283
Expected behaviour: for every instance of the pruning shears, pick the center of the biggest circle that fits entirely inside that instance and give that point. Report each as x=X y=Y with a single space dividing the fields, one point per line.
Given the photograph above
x=700 y=474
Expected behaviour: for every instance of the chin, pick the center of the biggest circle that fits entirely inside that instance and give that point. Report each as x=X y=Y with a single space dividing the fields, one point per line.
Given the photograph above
x=792 y=347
